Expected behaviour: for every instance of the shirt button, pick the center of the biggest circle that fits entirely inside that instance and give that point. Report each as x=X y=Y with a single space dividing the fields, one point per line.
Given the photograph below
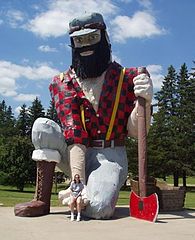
x=99 y=131
x=97 y=115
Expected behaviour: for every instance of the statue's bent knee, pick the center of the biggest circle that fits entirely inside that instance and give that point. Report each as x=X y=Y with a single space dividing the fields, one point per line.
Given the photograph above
x=103 y=189
x=47 y=139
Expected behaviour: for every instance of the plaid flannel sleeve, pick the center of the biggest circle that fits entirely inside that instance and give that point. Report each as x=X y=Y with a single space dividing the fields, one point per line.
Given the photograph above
x=67 y=105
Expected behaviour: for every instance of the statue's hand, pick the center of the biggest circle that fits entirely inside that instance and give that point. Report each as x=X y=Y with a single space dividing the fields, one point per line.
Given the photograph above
x=143 y=87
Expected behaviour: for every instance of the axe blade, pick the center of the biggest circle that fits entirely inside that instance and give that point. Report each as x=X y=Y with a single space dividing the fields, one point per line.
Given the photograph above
x=145 y=208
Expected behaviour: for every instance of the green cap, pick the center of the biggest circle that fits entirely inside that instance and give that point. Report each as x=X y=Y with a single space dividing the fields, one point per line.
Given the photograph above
x=86 y=24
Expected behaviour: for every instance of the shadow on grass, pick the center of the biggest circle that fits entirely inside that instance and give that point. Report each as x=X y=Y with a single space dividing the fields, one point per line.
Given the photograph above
x=18 y=191
x=27 y=191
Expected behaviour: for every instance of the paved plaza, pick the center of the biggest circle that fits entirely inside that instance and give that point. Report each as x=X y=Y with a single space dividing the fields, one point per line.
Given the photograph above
x=57 y=225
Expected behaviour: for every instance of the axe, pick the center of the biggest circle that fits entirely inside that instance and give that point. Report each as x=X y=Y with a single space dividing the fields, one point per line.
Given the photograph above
x=143 y=207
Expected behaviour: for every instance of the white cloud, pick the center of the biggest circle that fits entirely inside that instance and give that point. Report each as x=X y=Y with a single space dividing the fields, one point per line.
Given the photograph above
x=42 y=72
x=8 y=82
x=14 y=71
x=15 y=18
x=156 y=75
x=145 y=3
x=1 y=21
x=141 y=25
x=46 y=48
x=54 y=21
x=6 y=90
x=10 y=73
x=26 y=97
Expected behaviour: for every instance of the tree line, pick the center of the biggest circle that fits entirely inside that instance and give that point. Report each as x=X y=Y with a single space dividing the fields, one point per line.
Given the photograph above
x=170 y=143
x=16 y=165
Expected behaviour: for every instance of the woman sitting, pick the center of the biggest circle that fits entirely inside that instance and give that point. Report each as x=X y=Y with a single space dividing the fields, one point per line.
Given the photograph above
x=76 y=188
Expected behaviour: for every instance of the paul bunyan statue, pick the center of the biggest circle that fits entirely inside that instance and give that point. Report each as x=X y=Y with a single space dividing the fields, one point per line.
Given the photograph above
x=96 y=103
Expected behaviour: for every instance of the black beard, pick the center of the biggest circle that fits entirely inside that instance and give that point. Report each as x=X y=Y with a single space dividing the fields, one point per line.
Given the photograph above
x=93 y=65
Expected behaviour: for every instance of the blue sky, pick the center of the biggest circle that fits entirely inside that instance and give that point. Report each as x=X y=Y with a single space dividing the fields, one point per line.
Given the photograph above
x=34 y=40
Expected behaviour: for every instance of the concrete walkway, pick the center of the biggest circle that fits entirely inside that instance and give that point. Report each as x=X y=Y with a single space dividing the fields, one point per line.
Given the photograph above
x=57 y=225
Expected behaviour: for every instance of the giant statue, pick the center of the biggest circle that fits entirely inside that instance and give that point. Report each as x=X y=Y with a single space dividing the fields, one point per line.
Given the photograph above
x=96 y=103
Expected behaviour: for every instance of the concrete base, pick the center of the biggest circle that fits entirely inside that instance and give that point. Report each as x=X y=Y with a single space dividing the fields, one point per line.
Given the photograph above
x=57 y=225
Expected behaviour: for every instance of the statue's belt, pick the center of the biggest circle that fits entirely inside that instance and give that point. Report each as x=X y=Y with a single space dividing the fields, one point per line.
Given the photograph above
x=107 y=143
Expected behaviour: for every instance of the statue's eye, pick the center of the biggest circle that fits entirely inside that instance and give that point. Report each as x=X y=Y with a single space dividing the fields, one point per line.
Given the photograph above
x=78 y=40
x=93 y=37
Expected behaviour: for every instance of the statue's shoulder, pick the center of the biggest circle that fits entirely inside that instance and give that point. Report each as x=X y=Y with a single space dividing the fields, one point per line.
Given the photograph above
x=62 y=77
x=131 y=71
x=134 y=71
x=117 y=67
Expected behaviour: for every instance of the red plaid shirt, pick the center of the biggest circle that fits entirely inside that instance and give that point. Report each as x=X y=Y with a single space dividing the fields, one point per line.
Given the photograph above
x=68 y=97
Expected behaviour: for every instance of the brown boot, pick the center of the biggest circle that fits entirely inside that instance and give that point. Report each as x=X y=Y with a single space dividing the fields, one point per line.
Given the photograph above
x=40 y=205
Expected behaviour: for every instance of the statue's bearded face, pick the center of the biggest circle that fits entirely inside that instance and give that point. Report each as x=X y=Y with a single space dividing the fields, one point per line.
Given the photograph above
x=90 y=54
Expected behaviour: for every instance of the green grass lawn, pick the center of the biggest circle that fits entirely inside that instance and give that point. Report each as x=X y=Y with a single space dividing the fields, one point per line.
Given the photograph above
x=190 y=200
x=9 y=196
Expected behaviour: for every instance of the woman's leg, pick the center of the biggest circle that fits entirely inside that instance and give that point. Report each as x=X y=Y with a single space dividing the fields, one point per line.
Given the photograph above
x=79 y=204
x=72 y=206
x=79 y=207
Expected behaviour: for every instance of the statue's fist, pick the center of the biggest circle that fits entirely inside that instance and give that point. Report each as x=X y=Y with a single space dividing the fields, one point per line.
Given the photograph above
x=143 y=86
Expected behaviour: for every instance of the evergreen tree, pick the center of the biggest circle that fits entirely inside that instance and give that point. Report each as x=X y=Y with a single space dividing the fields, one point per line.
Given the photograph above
x=7 y=120
x=161 y=142
x=23 y=121
x=186 y=120
x=132 y=155
x=157 y=146
x=35 y=111
x=16 y=164
x=2 y=117
x=2 y=158
x=171 y=137
x=191 y=91
x=52 y=114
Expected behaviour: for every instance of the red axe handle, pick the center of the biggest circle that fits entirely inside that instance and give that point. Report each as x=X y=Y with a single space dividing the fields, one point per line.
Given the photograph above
x=142 y=145
x=142 y=149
